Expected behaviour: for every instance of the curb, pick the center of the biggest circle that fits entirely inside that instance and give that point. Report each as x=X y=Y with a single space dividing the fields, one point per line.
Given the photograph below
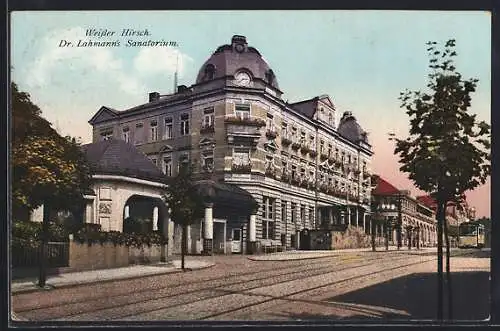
x=69 y=285
x=336 y=254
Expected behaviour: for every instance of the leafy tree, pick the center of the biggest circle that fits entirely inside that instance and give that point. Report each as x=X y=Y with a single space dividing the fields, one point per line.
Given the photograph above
x=448 y=149
x=185 y=203
x=45 y=166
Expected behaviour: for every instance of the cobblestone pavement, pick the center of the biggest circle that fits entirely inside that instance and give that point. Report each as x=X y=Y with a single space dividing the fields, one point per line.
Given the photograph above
x=355 y=285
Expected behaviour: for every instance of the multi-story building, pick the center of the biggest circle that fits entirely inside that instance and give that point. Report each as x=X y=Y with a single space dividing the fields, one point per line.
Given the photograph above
x=455 y=213
x=304 y=168
x=400 y=214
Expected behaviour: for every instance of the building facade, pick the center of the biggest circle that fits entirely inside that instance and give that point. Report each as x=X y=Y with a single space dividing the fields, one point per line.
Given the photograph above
x=402 y=216
x=304 y=168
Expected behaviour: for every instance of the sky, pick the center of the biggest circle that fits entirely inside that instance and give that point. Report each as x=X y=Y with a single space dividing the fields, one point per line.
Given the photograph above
x=361 y=59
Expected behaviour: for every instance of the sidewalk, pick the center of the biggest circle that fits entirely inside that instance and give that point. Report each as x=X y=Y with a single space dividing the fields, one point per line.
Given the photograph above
x=304 y=255
x=103 y=275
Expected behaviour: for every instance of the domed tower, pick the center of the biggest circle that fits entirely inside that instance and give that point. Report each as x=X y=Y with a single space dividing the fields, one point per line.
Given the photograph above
x=349 y=128
x=237 y=65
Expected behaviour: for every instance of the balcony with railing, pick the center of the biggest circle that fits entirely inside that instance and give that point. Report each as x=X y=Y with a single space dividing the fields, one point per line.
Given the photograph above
x=271 y=133
x=207 y=129
x=244 y=129
x=242 y=168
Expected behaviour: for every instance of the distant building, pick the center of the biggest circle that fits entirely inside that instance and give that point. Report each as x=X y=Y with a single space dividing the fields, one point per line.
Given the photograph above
x=304 y=169
x=455 y=214
x=406 y=214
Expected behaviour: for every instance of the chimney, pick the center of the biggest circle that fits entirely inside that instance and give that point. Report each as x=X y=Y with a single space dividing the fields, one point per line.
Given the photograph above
x=154 y=96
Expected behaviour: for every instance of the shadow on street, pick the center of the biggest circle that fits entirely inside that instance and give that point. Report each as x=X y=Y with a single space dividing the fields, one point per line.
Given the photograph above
x=412 y=297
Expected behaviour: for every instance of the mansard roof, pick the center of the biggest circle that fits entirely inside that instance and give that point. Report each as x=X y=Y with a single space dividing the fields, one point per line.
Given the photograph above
x=309 y=107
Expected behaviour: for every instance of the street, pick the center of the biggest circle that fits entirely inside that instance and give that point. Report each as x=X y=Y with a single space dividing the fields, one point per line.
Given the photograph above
x=349 y=286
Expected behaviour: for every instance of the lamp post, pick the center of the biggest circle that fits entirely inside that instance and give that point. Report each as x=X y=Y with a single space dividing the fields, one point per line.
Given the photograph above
x=373 y=225
x=408 y=230
x=418 y=236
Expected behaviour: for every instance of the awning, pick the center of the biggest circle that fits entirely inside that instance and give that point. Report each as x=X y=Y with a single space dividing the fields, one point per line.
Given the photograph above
x=227 y=196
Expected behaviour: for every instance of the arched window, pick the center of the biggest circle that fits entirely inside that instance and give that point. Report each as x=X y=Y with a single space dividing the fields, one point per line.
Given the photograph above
x=209 y=71
x=270 y=76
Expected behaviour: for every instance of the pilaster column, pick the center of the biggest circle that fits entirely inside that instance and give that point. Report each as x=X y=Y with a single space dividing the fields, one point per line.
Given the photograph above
x=348 y=215
x=252 y=234
x=209 y=229
x=155 y=218
x=88 y=212
x=127 y=211
x=364 y=222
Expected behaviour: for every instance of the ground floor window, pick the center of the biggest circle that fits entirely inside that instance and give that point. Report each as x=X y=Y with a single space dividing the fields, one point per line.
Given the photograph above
x=268 y=217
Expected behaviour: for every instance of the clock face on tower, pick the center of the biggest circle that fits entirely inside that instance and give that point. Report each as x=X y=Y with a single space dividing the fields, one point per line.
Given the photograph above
x=242 y=79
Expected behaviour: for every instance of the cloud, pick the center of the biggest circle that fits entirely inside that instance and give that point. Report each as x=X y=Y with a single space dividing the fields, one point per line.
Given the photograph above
x=160 y=60
x=88 y=61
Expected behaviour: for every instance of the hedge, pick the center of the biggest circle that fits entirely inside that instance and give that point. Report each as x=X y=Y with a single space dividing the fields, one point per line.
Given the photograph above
x=28 y=234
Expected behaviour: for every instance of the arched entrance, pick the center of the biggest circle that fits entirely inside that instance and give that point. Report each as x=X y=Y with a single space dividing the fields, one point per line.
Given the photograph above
x=147 y=212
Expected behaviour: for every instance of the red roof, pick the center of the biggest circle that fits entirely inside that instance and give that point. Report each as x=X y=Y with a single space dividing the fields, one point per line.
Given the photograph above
x=384 y=188
x=427 y=200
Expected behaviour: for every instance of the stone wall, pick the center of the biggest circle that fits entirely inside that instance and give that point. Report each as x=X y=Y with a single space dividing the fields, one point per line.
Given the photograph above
x=144 y=254
x=103 y=256
x=97 y=256
x=353 y=237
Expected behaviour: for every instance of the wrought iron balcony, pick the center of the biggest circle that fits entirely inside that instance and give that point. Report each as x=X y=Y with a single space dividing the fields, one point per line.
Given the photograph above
x=207 y=129
x=271 y=134
x=245 y=120
x=241 y=168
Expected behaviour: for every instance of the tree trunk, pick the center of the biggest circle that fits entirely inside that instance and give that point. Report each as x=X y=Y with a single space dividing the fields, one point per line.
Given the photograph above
x=448 y=274
x=44 y=238
x=440 y=215
x=183 y=244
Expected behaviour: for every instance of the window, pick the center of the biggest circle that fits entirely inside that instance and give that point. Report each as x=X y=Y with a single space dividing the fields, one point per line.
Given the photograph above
x=312 y=217
x=270 y=122
x=302 y=137
x=294 y=171
x=184 y=124
x=241 y=156
x=269 y=161
x=154 y=130
x=167 y=165
x=207 y=159
x=209 y=71
x=293 y=209
x=139 y=133
x=154 y=160
x=208 y=118
x=242 y=111
x=283 y=212
x=294 y=133
x=168 y=134
x=329 y=149
x=302 y=214
x=268 y=214
x=126 y=134
x=183 y=161
x=106 y=135
x=321 y=146
x=312 y=142
x=284 y=130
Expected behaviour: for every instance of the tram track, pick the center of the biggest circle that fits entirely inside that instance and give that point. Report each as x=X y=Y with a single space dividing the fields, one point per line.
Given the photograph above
x=130 y=301
x=101 y=303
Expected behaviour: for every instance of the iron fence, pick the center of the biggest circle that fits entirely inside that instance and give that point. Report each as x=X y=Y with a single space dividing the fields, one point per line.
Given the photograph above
x=27 y=256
